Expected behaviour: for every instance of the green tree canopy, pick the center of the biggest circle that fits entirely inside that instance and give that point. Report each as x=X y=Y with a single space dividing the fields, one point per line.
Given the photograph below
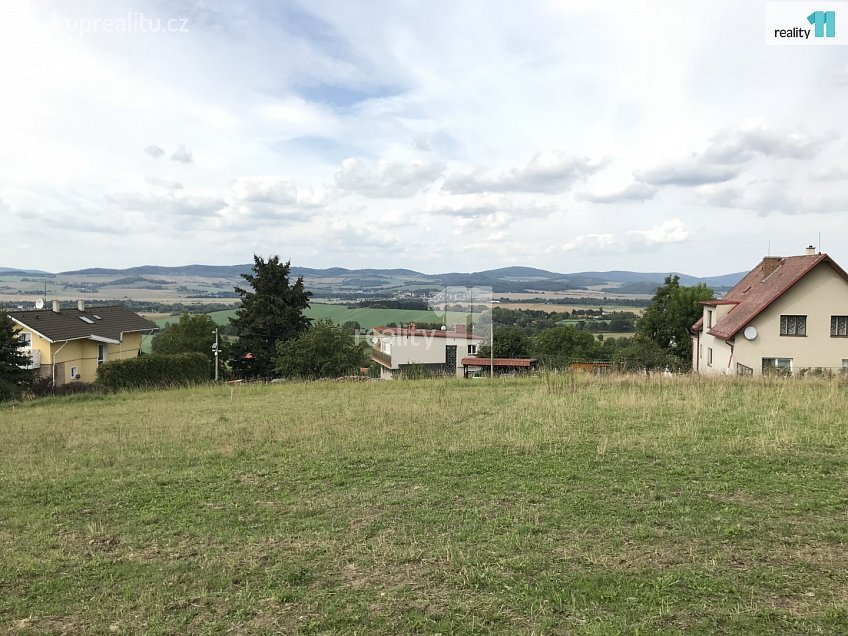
x=271 y=312
x=13 y=376
x=561 y=345
x=673 y=310
x=510 y=342
x=643 y=354
x=323 y=351
x=193 y=333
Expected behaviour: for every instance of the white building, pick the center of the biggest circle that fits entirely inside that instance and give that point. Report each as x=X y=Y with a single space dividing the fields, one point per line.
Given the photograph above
x=433 y=351
x=787 y=315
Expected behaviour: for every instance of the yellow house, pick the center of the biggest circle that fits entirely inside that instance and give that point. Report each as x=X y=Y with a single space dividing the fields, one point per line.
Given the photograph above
x=788 y=315
x=68 y=344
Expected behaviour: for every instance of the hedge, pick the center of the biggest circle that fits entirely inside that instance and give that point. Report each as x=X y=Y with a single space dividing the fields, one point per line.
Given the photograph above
x=157 y=370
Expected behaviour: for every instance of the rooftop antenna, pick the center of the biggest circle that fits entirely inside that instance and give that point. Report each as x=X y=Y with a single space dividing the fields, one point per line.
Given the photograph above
x=768 y=253
x=819 y=242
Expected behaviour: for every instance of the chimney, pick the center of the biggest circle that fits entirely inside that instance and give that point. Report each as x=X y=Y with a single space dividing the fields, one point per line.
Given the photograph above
x=770 y=263
x=55 y=306
x=81 y=304
x=811 y=251
x=459 y=329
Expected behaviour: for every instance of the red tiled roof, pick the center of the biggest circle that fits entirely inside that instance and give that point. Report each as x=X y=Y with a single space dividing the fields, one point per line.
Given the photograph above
x=760 y=287
x=425 y=333
x=498 y=362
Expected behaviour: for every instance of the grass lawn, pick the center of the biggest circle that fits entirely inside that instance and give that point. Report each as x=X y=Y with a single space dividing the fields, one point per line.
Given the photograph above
x=556 y=505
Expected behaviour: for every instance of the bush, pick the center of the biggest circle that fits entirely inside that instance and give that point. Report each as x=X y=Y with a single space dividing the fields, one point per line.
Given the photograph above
x=154 y=371
x=43 y=387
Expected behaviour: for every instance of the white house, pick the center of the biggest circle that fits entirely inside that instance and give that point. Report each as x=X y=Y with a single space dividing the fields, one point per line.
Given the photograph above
x=434 y=351
x=787 y=315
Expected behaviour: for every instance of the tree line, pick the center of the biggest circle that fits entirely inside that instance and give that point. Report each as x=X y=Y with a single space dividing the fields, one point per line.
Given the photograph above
x=274 y=338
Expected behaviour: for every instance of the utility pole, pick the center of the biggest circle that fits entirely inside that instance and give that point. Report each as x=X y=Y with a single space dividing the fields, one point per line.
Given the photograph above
x=215 y=350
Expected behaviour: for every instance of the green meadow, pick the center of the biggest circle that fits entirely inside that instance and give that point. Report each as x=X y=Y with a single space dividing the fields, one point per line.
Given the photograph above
x=366 y=317
x=559 y=504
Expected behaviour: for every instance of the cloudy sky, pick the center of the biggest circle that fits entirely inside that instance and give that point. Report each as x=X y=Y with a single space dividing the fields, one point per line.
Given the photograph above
x=439 y=136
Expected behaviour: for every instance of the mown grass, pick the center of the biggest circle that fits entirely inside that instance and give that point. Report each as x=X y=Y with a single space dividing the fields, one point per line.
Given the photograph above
x=557 y=505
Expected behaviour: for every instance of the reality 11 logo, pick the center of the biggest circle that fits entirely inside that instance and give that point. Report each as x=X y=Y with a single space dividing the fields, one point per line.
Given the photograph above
x=822 y=20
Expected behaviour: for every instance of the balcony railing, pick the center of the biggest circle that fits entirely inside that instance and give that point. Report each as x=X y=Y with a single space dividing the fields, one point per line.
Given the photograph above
x=380 y=356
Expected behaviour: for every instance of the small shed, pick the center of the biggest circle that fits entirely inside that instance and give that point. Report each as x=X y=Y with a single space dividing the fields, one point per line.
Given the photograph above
x=501 y=365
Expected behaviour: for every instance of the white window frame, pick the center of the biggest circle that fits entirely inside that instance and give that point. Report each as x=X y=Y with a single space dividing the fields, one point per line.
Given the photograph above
x=102 y=354
x=74 y=373
x=709 y=356
x=472 y=349
x=27 y=340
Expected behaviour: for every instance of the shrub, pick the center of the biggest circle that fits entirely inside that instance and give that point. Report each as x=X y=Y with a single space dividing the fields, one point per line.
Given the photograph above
x=43 y=387
x=154 y=371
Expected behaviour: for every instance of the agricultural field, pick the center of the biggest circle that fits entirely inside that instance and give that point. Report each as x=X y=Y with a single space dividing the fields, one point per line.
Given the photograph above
x=560 y=504
x=551 y=307
x=367 y=317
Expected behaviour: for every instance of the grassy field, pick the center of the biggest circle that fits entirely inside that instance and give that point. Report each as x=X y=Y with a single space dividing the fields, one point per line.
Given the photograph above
x=551 y=505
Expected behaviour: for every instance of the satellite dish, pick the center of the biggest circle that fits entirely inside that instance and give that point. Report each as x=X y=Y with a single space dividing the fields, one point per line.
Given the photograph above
x=39 y=304
x=375 y=340
x=750 y=333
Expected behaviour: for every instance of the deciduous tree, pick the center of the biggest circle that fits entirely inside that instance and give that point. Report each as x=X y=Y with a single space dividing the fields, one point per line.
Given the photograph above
x=193 y=333
x=323 y=351
x=673 y=310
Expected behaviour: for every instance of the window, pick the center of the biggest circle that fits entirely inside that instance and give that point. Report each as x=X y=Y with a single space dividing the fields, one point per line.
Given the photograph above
x=86 y=319
x=709 y=356
x=472 y=349
x=27 y=340
x=793 y=325
x=838 y=326
x=701 y=351
x=101 y=354
x=74 y=373
x=741 y=369
x=709 y=318
x=777 y=366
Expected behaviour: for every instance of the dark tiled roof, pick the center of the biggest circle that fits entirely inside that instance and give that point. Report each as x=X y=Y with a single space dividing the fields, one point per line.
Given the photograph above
x=498 y=362
x=760 y=287
x=67 y=324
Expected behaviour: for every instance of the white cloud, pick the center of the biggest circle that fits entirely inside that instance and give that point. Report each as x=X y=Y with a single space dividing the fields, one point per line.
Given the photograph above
x=634 y=193
x=166 y=204
x=550 y=173
x=386 y=179
x=154 y=151
x=770 y=198
x=595 y=241
x=689 y=172
x=167 y=184
x=671 y=231
x=346 y=236
x=182 y=155
x=740 y=145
